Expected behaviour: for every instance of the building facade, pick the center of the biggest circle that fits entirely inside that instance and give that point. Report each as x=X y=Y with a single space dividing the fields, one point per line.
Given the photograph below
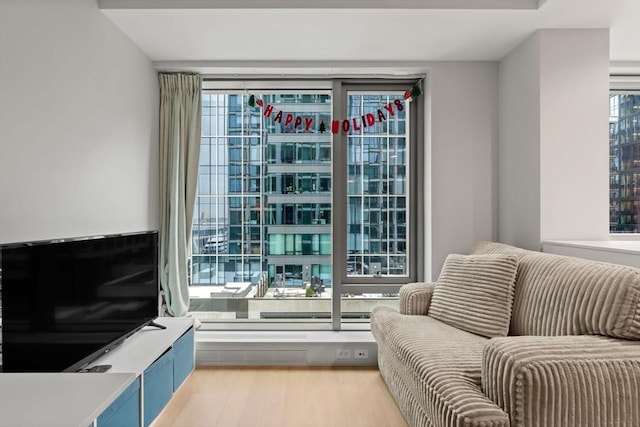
x=624 y=163
x=264 y=191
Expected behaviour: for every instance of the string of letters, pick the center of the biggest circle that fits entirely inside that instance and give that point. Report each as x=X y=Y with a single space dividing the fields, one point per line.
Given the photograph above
x=307 y=124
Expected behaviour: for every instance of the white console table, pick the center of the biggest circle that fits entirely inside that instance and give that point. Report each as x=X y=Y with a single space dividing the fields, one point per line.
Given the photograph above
x=139 y=351
x=57 y=399
x=159 y=359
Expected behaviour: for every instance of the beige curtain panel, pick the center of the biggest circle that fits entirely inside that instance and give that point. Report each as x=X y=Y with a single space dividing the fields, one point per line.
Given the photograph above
x=180 y=108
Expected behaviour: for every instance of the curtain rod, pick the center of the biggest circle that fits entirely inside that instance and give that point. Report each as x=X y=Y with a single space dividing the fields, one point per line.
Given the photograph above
x=279 y=77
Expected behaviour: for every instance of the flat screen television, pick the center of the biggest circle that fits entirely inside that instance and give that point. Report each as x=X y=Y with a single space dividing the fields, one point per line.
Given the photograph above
x=65 y=302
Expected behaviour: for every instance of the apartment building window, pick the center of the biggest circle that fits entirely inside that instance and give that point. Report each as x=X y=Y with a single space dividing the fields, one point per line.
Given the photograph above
x=296 y=220
x=624 y=162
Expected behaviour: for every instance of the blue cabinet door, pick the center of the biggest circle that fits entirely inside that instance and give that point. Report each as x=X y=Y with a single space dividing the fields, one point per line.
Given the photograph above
x=125 y=410
x=158 y=386
x=183 y=361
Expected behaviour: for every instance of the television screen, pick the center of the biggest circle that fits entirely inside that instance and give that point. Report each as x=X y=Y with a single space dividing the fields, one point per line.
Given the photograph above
x=65 y=302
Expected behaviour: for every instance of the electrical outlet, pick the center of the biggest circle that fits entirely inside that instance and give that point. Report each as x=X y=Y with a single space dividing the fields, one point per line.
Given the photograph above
x=343 y=353
x=360 y=354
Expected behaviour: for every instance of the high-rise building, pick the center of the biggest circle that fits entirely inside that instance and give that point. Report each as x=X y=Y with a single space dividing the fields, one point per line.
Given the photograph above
x=264 y=191
x=624 y=164
x=297 y=196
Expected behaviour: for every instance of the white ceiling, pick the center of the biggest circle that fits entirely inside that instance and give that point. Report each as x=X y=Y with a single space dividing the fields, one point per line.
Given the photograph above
x=280 y=35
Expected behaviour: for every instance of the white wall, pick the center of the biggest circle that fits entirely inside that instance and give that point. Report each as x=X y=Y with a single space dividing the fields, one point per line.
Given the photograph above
x=462 y=132
x=78 y=124
x=553 y=144
x=519 y=146
x=574 y=134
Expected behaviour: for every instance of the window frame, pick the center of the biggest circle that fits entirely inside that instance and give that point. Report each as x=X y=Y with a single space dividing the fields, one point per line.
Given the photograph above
x=340 y=87
x=341 y=282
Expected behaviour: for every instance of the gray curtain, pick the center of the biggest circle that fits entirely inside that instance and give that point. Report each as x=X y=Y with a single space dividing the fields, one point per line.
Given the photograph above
x=180 y=110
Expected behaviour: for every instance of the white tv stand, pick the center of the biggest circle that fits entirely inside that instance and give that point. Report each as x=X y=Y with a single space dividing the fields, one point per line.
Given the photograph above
x=146 y=369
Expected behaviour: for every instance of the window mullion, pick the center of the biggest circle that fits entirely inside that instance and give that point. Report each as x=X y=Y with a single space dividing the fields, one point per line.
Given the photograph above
x=339 y=207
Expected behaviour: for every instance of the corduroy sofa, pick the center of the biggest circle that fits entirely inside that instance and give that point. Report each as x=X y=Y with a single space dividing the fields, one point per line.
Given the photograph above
x=569 y=355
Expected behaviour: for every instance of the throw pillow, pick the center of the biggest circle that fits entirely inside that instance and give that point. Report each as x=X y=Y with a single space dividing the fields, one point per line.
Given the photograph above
x=475 y=293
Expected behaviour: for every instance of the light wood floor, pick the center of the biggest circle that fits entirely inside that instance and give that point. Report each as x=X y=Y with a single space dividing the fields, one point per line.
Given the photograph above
x=282 y=397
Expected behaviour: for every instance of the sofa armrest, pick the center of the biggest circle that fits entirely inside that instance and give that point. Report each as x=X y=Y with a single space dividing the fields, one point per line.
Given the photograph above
x=564 y=380
x=415 y=298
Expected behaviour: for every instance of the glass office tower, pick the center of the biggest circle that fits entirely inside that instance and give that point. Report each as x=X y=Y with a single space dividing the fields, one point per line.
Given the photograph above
x=624 y=163
x=297 y=175
x=263 y=208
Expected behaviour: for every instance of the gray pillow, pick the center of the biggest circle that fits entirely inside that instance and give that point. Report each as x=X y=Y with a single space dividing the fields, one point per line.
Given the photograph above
x=475 y=293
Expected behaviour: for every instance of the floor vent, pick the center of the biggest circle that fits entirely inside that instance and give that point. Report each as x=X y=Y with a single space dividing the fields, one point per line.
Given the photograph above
x=235 y=353
x=251 y=357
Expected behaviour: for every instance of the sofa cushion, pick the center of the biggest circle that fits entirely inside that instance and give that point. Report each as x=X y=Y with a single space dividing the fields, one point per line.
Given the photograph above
x=475 y=293
x=561 y=295
x=433 y=370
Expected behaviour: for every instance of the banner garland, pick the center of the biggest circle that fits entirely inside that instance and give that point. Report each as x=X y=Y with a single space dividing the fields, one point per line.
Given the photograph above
x=345 y=125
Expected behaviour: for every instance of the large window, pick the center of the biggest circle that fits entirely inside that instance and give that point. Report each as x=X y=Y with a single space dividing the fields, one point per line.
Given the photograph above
x=624 y=163
x=306 y=202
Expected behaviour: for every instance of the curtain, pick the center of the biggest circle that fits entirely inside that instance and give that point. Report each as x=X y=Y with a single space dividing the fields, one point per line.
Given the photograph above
x=180 y=116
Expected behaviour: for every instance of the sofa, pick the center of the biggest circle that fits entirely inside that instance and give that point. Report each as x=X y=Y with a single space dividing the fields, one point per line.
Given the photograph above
x=512 y=337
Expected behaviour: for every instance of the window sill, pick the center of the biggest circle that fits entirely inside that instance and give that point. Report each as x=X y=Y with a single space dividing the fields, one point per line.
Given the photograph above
x=626 y=252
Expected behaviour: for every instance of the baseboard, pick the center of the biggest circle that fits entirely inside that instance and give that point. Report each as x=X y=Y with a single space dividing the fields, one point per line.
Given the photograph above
x=288 y=348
